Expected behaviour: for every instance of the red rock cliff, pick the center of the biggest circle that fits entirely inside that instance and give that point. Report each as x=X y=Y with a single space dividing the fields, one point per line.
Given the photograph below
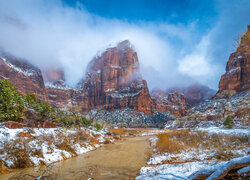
x=237 y=76
x=60 y=95
x=26 y=77
x=174 y=103
x=113 y=81
x=195 y=93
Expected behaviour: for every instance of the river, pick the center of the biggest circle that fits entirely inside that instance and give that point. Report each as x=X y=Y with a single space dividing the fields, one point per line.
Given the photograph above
x=121 y=160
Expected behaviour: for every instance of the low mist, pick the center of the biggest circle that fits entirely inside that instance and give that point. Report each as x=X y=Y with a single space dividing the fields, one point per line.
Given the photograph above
x=52 y=34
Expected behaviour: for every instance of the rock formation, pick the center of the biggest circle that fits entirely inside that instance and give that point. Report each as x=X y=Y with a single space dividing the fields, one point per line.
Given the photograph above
x=26 y=77
x=53 y=74
x=60 y=95
x=194 y=94
x=237 y=76
x=113 y=81
x=174 y=103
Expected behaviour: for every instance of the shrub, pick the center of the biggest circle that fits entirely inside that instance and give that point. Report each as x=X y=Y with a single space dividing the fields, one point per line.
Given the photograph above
x=42 y=109
x=11 y=103
x=84 y=121
x=97 y=126
x=228 y=123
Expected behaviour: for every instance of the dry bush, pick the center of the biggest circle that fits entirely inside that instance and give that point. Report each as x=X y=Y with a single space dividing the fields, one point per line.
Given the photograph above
x=66 y=146
x=3 y=168
x=18 y=151
x=37 y=153
x=183 y=140
x=131 y=132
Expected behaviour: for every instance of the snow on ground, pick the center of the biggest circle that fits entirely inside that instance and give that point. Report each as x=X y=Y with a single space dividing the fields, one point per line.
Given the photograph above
x=152 y=132
x=26 y=73
x=218 y=169
x=190 y=155
x=196 y=159
x=46 y=141
x=217 y=130
x=171 y=171
x=244 y=170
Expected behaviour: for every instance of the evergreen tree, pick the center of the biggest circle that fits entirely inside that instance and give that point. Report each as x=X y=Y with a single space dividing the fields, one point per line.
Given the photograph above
x=228 y=122
x=11 y=103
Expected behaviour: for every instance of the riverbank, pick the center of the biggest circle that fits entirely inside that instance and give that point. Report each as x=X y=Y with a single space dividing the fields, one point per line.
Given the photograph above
x=57 y=144
x=121 y=160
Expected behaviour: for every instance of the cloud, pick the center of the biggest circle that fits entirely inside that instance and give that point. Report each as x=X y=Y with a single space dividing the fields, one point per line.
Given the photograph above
x=52 y=34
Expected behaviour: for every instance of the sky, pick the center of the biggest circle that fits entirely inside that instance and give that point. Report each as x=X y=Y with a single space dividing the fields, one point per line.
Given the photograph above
x=178 y=42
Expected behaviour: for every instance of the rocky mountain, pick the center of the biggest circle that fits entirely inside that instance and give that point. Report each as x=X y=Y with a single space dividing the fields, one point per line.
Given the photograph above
x=113 y=81
x=59 y=94
x=174 y=103
x=232 y=99
x=114 y=87
x=214 y=111
x=237 y=76
x=26 y=77
x=53 y=74
x=194 y=94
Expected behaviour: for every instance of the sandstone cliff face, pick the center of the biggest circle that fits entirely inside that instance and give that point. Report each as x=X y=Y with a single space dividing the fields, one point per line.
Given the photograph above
x=194 y=93
x=113 y=81
x=68 y=99
x=26 y=77
x=174 y=103
x=53 y=74
x=237 y=76
x=60 y=95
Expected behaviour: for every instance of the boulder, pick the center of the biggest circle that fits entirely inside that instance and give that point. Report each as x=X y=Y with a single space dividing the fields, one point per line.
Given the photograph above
x=48 y=124
x=13 y=125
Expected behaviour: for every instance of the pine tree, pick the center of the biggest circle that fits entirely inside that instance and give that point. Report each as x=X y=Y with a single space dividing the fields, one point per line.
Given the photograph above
x=11 y=103
x=228 y=122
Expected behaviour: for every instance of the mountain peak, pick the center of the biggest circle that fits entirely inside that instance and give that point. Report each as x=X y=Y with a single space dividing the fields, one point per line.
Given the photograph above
x=125 y=45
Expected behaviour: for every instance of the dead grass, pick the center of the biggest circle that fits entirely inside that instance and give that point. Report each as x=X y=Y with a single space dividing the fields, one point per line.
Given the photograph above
x=18 y=151
x=183 y=140
x=131 y=132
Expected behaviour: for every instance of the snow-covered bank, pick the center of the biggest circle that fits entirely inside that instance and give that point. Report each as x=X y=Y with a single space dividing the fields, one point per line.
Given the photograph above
x=35 y=146
x=217 y=130
x=184 y=163
x=192 y=170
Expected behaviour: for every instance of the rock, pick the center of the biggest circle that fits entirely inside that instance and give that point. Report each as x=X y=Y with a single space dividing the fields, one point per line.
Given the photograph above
x=26 y=77
x=174 y=103
x=13 y=125
x=107 y=142
x=48 y=124
x=30 y=118
x=53 y=74
x=24 y=134
x=237 y=76
x=194 y=94
x=69 y=99
x=214 y=111
x=113 y=81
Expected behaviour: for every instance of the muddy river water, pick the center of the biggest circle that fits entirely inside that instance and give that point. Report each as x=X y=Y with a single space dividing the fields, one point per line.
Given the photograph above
x=121 y=160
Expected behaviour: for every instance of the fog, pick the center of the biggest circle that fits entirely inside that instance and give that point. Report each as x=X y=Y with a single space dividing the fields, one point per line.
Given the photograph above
x=52 y=34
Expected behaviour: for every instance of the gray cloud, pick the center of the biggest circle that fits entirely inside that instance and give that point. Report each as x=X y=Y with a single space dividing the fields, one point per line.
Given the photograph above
x=54 y=35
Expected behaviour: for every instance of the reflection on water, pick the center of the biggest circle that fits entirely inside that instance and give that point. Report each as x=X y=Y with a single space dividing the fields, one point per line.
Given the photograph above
x=122 y=160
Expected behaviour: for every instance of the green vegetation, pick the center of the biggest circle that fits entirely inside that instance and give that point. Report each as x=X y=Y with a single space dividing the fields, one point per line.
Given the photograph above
x=228 y=123
x=97 y=126
x=13 y=104
x=71 y=119
x=43 y=109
